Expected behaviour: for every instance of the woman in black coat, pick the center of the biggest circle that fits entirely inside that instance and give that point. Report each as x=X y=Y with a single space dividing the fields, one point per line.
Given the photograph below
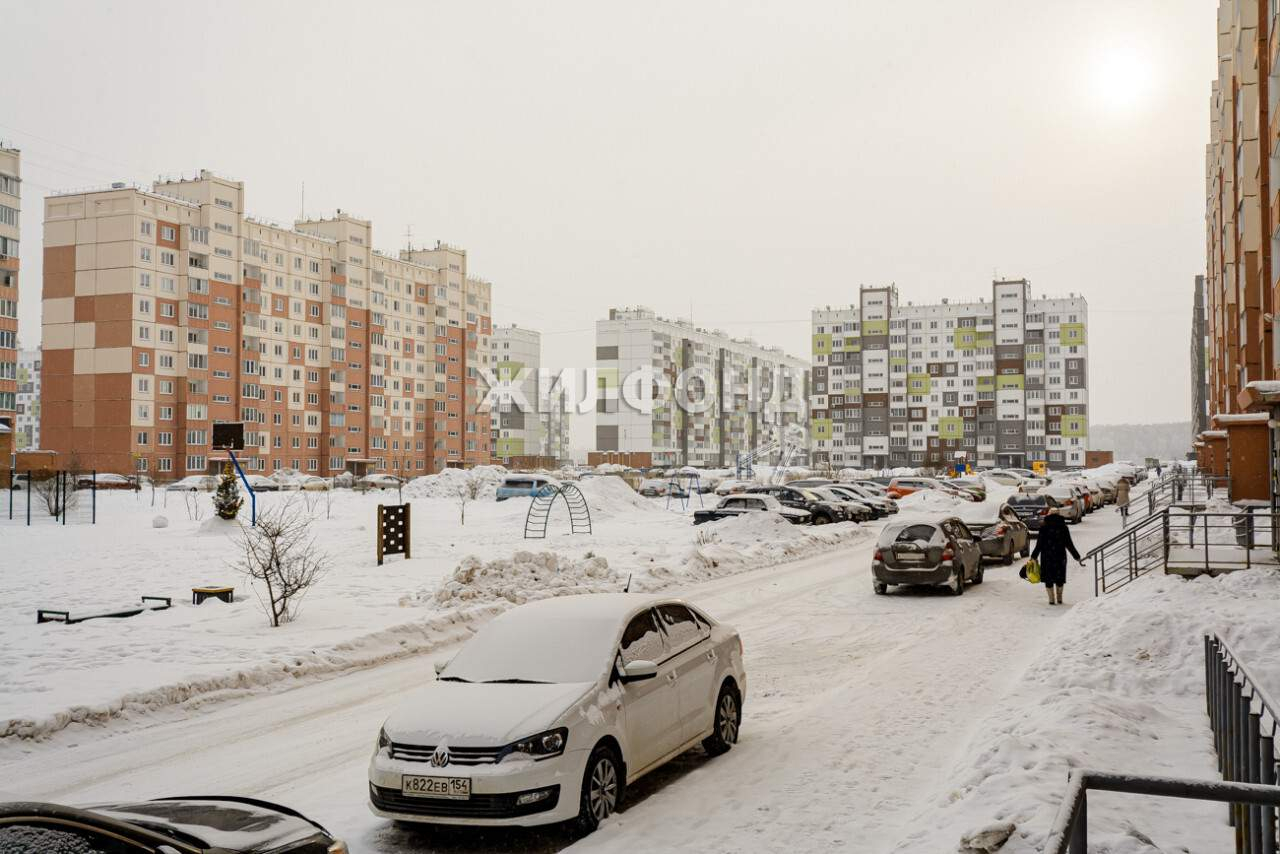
x=1052 y=544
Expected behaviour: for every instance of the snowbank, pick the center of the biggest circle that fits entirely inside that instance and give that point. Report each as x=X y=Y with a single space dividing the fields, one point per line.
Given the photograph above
x=1118 y=686
x=610 y=496
x=525 y=577
x=449 y=482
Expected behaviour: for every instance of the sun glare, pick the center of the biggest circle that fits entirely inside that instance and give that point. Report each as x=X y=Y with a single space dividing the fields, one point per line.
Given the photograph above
x=1122 y=77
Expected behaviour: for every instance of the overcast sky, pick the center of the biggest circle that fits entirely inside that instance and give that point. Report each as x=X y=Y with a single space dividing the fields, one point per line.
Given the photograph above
x=745 y=162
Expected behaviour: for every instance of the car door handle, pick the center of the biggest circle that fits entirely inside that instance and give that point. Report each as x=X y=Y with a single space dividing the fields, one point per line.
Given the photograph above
x=671 y=676
x=711 y=655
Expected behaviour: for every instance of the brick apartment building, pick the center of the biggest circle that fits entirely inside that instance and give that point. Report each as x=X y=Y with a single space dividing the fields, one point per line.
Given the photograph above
x=1241 y=210
x=167 y=309
x=10 y=212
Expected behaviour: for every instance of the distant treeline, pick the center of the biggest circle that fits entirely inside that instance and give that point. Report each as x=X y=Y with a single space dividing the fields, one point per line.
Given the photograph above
x=1136 y=441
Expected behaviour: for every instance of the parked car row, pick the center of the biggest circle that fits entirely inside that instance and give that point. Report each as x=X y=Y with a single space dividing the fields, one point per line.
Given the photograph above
x=817 y=502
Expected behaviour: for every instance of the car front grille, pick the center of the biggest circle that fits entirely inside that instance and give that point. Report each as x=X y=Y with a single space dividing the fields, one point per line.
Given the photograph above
x=477 y=806
x=457 y=755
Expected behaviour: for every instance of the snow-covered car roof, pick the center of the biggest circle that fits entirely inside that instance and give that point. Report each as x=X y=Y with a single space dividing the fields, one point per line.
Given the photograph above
x=588 y=606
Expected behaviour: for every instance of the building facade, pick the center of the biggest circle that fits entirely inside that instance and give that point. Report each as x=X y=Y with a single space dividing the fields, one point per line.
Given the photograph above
x=534 y=429
x=1240 y=207
x=10 y=214
x=711 y=397
x=167 y=309
x=27 y=433
x=1199 y=363
x=1000 y=382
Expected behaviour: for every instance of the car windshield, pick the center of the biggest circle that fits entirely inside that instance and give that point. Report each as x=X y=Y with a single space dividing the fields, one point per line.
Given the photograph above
x=527 y=650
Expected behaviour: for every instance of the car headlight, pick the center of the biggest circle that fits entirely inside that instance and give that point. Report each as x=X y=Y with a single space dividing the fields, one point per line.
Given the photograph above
x=544 y=745
x=383 y=739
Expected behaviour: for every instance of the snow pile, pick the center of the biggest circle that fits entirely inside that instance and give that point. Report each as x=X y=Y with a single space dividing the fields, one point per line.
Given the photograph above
x=1118 y=686
x=932 y=502
x=525 y=577
x=752 y=541
x=611 y=496
x=448 y=483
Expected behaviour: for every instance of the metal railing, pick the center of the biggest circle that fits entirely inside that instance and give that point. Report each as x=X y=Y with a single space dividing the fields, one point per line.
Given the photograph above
x=1244 y=720
x=1132 y=553
x=1186 y=541
x=1178 y=487
x=1069 y=833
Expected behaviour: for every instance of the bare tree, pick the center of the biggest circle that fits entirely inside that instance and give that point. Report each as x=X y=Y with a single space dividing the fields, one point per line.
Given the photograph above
x=58 y=494
x=195 y=507
x=467 y=490
x=280 y=553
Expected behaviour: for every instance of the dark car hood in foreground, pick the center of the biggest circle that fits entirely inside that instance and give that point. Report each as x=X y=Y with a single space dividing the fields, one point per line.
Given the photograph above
x=237 y=824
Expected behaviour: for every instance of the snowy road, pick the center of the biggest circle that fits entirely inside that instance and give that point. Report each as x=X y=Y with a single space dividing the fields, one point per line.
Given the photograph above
x=855 y=702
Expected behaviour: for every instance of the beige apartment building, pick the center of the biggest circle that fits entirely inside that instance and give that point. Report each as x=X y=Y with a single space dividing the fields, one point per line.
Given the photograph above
x=167 y=309
x=10 y=212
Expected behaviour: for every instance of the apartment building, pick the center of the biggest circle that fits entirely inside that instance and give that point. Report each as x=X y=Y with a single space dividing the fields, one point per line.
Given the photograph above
x=669 y=393
x=27 y=433
x=10 y=213
x=1241 y=209
x=168 y=308
x=992 y=382
x=533 y=429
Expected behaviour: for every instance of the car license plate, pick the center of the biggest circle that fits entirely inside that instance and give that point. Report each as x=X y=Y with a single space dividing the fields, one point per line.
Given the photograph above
x=454 y=788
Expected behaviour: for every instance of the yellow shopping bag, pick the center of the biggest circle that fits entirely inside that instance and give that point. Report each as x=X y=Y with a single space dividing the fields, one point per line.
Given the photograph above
x=1033 y=571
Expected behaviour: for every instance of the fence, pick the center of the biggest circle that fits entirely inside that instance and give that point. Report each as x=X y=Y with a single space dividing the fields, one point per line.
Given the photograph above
x=1186 y=542
x=44 y=497
x=1244 y=720
x=1070 y=831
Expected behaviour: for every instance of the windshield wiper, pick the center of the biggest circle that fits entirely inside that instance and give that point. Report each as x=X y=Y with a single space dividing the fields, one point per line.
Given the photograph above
x=453 y=679
x=515 y=681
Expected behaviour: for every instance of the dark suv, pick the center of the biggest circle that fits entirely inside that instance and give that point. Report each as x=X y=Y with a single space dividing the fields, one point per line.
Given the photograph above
x=820 y=512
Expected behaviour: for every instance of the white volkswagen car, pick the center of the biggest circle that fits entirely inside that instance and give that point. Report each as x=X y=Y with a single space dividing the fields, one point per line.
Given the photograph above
x=554 y=707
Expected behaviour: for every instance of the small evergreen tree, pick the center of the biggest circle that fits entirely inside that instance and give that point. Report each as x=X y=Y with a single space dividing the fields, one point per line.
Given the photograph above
x=227 y=500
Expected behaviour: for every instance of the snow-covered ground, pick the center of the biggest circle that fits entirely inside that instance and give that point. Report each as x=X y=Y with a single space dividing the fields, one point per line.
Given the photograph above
x=360 y=614
x=872 y=723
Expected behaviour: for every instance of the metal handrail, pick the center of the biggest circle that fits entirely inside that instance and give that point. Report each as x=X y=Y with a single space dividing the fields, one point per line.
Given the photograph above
x=1069 y=833
x=1246 y=751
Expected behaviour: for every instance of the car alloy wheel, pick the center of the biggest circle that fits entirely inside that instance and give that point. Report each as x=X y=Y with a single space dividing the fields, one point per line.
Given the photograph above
x=728 y=719
x=819 y=520
x=601 y=789
x=602 y=795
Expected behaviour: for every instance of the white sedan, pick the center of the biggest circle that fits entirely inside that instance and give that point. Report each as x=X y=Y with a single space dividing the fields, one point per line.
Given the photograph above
x=552 y=709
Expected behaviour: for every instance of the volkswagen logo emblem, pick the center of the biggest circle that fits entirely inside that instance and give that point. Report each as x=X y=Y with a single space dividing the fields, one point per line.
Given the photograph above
x=440 y=758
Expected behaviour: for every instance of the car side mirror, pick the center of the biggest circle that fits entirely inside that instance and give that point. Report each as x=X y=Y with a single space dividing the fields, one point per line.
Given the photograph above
x=637 y=671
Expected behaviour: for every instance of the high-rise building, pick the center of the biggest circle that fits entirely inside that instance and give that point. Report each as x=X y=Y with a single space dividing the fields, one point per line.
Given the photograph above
x=533 y=428
x=1240 y=211
x=10 y=213
x=712 y=397
x=167 y=309
x=1002 y=382
x=27 y=434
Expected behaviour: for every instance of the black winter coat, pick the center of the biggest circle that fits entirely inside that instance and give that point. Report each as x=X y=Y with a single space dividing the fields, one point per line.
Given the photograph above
x=1052 y=545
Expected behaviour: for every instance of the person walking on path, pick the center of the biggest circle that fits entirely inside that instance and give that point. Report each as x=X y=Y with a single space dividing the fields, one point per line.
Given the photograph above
x=1122 y=499
x=1052 y=545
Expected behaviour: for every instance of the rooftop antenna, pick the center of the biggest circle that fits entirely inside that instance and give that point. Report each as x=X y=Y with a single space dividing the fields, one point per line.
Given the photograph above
x=303 y=213
x=408 y=238
x=627 y=589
